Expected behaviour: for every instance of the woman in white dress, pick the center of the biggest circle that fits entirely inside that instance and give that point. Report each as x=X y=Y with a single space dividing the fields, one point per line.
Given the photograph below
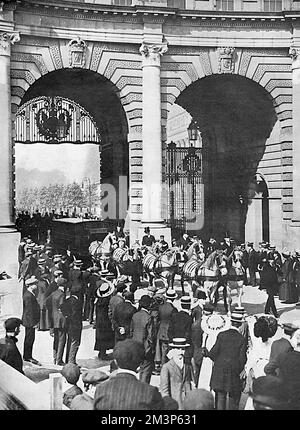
x=212 y=324
x=262 y=331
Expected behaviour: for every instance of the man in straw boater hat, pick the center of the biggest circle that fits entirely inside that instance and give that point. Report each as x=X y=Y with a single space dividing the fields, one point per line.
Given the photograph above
x=165 y=312
x=104 y=332
x=229 y=358
x=76 y=278
x=181 y=326
x=175 y=378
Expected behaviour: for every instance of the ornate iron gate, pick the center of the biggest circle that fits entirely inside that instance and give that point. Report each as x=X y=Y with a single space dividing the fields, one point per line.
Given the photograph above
x=184 y=181
x=55 y=120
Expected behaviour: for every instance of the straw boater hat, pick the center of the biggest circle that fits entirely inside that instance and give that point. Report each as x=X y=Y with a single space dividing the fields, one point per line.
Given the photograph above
x=215 y=323
x=178 y=342
x=171 y=294
x=30 y=281
x=237 y=317
x=104 y=290
x=77 y=263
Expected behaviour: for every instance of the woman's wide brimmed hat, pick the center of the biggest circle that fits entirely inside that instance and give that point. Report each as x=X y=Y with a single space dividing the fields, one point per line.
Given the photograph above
x=215 y=323
x=104 y=290
x=179 y=342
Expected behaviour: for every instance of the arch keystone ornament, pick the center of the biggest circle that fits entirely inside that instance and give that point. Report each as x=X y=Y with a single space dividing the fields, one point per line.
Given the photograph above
x=294 y=53
x=226 y=59
x=77 y=52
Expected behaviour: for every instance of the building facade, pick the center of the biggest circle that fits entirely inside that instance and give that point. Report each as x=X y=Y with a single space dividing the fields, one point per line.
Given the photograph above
x=144 y=70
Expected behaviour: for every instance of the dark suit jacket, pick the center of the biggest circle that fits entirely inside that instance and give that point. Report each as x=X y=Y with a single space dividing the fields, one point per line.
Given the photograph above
x=28 y=267
x=72 y=309
x=148 y=240
x=180 y=325
x=10 y=354
x=289 y=373
x=253 y=260
x=229 y=357
x=54 y=303
x=31 y=310
x=143 y=330
x=114 y=301
x=278 y=347
x=123 y=314
x=165 y=312
x=125 y=392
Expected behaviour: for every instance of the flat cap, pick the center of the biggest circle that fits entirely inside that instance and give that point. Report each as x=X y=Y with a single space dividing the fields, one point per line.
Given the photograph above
x=12 y=323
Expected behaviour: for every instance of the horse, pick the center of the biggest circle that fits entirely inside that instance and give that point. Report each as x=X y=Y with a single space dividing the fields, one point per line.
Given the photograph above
x=163 y=265
x=194 y=258
x=210 y=272
x=236 y=277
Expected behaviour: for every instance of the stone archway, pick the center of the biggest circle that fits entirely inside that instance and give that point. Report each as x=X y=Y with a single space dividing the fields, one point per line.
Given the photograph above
x=236 y=118
x=99 y=97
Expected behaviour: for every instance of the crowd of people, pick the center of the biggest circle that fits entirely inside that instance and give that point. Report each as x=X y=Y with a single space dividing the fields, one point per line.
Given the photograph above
x=204 y=359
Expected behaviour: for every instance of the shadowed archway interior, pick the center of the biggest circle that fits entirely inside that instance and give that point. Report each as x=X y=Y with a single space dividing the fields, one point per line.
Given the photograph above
x=236 y=117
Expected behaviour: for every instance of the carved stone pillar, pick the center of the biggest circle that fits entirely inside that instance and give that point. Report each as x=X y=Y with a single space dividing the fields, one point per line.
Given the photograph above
x=7 y=236
x=295 y=55
x=151 y=134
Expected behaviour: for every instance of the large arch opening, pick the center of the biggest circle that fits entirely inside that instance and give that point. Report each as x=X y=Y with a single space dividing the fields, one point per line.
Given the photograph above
x=235 y=118
x=98 y=120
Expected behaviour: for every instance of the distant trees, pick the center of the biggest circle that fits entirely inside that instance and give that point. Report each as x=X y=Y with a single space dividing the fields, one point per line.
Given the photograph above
x=58 y=196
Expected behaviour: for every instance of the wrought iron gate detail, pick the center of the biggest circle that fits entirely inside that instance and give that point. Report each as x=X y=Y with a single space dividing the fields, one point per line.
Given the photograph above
x=184 y=183
x=55 y=120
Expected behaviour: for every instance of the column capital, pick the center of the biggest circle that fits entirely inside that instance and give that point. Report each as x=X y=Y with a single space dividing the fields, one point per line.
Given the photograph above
x=7 y=39
x=152 y=52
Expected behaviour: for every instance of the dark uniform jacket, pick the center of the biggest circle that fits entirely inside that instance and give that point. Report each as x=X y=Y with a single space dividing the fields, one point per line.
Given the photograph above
x=125 y=392
x=10 y=354
x=143 y=330
x=54 y=304
x=229 y=357
x=31 y=310
x=148 y=240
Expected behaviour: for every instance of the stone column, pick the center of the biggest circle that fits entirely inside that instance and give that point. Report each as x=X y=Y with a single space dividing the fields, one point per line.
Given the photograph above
x=152 y=137
x=295 y=55
x=8 y=236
